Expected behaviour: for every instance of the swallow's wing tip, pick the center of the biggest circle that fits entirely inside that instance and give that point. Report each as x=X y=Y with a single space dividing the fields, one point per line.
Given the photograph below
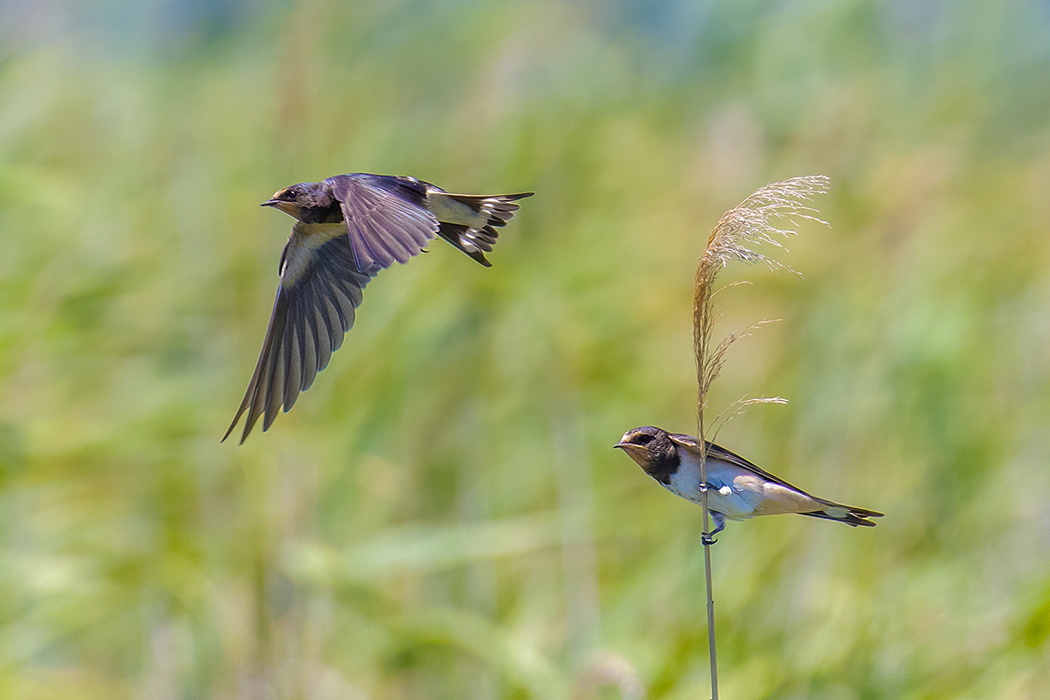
x=229 y=432
x=247 y=431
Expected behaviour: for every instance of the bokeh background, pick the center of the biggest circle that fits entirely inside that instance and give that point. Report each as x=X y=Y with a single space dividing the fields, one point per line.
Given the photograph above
x=442 y=515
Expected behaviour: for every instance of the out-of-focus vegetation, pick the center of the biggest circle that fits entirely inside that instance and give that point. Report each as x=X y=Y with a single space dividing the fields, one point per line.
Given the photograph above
x=442 y=515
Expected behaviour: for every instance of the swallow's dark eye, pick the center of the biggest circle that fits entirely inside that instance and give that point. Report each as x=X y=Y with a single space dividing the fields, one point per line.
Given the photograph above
x=643 y=439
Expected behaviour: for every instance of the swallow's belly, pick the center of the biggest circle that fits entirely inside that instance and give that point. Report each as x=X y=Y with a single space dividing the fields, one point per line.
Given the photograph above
x=723 y=498
x=731 y=503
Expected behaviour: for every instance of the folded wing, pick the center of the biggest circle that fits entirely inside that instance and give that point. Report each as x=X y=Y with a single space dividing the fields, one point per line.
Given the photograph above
x=822 y=508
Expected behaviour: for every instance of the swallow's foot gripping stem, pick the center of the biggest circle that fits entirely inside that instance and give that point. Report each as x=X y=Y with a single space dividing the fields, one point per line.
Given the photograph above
x=708 y=538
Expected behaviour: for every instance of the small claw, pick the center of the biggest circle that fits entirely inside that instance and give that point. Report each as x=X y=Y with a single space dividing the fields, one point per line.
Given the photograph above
x=708 y=538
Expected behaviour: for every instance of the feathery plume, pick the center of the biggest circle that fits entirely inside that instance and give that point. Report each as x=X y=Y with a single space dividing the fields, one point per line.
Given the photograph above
x=733 y=238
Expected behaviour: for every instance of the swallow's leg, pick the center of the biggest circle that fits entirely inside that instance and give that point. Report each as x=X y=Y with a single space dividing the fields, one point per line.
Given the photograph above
x=708 y=538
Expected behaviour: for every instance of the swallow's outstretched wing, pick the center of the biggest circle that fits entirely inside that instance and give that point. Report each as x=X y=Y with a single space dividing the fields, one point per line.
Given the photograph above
x=387 y=218
x=393 y=218
x=321 y=286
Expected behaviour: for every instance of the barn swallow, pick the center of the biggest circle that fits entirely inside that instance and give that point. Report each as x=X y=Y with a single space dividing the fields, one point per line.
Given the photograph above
x=736 y=488
x=347 y=229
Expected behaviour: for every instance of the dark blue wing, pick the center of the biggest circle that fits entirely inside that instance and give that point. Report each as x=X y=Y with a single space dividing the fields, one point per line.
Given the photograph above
x=311 y=315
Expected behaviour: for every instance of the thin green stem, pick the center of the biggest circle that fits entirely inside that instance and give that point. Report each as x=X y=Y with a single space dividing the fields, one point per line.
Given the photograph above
x=707 y=564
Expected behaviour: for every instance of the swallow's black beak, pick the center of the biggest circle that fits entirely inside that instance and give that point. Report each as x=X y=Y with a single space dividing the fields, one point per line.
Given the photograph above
x=270 y=203
x=635 y=451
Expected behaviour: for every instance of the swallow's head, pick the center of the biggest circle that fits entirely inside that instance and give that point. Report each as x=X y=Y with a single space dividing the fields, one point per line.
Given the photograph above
x=296 y=199
x=652 y=448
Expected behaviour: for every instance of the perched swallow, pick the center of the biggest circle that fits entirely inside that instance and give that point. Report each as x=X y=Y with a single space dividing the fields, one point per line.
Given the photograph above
x=347 y=229
x=736 y=488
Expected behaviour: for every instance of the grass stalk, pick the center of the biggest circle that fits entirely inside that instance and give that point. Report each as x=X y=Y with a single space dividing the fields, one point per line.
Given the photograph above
x=742 y=226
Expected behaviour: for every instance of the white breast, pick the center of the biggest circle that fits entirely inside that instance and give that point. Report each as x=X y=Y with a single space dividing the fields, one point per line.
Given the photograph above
x=732 y=497
x=305 y=240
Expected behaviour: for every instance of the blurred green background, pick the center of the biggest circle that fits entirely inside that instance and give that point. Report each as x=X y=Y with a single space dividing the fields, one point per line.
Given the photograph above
x=442 y=515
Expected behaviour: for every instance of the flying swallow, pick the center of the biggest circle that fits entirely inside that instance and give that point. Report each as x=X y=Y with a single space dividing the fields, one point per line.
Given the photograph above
x=347 y=229
x=736 y=488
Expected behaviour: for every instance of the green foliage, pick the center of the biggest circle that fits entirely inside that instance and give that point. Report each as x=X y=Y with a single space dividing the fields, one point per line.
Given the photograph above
x=442 y=515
